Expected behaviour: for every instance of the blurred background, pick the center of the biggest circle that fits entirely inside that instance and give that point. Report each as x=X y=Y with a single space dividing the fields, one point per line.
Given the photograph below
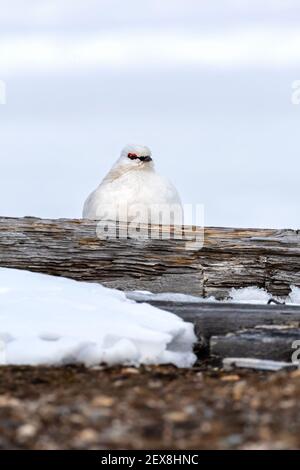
x=206 y=84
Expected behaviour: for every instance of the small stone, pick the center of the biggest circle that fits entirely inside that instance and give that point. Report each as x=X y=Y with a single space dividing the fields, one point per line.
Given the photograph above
x=190 y=409
x=102 y=401
x=26 y=431
x=295 y=374
x=6 y=401
x=176 y=416
x=130 y=371
x=230 y=378
x=287 y=404
x=85 y=437
x=155 y=384
x=238 y=390
x=206 y=427
x=233 y=440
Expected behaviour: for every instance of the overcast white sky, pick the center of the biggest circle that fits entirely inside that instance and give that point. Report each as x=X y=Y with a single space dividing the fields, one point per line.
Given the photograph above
x=206 y=84
x=54 y=34
x=108 y=14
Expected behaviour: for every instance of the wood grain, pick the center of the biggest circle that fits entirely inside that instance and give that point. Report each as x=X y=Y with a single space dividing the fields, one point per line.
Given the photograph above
x=221 y=318
x=261 y=343
x=229 y=257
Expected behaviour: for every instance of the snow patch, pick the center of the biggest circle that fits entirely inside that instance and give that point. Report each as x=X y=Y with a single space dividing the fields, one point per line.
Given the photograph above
x=145 y=296
x=55 y=321
x=294 y=297
x=252 y=294
x=247 y=295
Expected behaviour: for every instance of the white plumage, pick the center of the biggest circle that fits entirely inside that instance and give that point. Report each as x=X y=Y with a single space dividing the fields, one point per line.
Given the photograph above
x=133 y=190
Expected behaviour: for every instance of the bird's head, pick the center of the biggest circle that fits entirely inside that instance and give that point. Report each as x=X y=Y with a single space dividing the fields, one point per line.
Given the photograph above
x=136 y=156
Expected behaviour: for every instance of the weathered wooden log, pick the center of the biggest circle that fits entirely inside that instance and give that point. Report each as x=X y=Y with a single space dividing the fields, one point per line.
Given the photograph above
x=277 y=344
x=229 y=257
x=212 y=318
x=240 y=330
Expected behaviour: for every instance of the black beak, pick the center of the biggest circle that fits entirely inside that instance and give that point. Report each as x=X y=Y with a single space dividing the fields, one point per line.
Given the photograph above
x=146 y=159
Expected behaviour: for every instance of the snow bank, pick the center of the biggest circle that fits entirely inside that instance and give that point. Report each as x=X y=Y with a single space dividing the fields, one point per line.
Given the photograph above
x=55 y=321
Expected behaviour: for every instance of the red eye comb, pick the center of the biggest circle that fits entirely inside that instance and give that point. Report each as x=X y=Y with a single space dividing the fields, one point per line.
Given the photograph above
x=133 y=156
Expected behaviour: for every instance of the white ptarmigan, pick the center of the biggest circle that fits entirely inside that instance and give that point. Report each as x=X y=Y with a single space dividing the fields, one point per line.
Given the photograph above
x=132 y=190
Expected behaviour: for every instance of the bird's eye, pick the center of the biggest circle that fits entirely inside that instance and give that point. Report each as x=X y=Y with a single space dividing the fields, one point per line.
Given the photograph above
x=132 y=156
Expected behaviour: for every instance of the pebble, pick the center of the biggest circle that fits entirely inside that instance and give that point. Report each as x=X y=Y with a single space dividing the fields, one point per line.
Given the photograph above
x=102 y=401
x=85 y=437
x=176 y=416
x=26 y=431
x=230 y=378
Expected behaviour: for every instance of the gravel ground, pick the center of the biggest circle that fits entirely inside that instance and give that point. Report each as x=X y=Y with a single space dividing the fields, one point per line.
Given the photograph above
x=148 y=408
